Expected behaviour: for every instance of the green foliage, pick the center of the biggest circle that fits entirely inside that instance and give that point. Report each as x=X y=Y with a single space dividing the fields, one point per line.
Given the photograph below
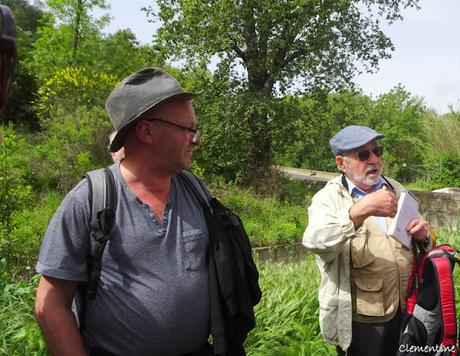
x=400 y=117
x=71 y=144
x=278 y=40
x=70 y=30
x=21 y=244
x=225 y=138
x=442 y=151
x=19 y=332
x=120 y=54
x=76 y=39
x=14 y=193
x=280 y=45
x=268 y=221
x=309 y=123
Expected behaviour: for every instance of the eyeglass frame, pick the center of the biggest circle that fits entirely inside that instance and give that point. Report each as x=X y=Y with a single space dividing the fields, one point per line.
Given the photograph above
x=195 y=131
x=363 y=155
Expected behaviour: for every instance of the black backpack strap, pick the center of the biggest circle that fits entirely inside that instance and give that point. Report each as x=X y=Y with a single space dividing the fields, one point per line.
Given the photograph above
x=103 y=199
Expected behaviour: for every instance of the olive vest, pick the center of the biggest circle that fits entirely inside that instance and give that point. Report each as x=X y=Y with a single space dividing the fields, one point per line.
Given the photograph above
x=380 y=268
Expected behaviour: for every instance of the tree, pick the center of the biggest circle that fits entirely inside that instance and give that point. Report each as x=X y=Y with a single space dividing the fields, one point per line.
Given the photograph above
x=279 y=46
x=400 y=117
x=120 y=54
x=68 y=36
x=77 y=14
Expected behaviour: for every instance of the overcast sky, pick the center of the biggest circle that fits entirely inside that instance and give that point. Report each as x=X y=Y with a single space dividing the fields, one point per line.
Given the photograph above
x=426 y=60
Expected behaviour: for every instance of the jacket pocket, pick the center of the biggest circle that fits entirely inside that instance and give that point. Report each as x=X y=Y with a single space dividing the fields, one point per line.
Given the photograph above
x=328 y=314
x=369 y=296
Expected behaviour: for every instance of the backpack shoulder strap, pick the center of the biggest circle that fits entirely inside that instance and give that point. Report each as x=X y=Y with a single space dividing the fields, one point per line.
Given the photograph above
x=103 y=201
x=197 y=188
x=443 y=273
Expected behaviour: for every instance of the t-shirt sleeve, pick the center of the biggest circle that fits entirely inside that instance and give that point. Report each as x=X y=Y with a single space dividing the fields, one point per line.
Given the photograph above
x=65 y=247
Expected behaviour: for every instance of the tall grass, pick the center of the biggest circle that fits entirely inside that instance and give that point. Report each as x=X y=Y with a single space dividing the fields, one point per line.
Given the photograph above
x=287 y=316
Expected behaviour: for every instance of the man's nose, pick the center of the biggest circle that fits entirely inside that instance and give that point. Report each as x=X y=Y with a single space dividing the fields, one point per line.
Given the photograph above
x=196 y=138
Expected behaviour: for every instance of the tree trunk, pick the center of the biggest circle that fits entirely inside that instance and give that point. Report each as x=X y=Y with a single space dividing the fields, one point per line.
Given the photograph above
x=260 y=149
x=77 y=30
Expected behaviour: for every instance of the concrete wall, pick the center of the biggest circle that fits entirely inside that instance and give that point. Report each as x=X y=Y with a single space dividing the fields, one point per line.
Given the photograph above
x=441 y=210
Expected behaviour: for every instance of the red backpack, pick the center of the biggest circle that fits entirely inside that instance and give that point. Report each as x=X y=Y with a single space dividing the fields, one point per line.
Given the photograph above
x=430 y=325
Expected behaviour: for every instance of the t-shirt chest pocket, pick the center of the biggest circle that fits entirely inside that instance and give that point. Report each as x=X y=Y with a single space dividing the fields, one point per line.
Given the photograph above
x=194 y=249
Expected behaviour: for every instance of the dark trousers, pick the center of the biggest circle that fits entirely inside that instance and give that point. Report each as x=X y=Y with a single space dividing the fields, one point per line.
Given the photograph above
x=380 y=339
x=205 y=350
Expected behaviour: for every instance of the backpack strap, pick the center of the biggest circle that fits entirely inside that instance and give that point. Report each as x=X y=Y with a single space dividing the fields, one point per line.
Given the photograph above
x=196 y=186
x=103 y=200
x=443 y=271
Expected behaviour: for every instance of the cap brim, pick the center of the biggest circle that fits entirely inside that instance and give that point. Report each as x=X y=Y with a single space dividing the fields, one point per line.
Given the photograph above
x=118 y=141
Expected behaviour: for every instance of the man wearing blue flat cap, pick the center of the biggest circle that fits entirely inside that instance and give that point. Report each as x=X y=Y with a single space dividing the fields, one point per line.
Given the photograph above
x=364 y=271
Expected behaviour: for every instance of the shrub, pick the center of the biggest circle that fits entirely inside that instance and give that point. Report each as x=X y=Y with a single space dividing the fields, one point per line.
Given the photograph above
x=442 y=152
x=14 y=193
x=70 y=87
x=21 y=244
x=266 y=220
x=72 y=144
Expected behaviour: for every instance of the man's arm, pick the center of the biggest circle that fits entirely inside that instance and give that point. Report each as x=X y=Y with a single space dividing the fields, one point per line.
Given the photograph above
x=55 y=317
x=329 y=225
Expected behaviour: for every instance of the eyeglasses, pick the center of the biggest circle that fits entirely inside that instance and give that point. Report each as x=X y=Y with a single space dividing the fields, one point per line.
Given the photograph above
x=365 y=154
x=196 y=133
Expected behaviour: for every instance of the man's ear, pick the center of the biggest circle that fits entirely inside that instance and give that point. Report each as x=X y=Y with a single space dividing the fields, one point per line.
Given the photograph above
x=144 y=132
x=340 y=161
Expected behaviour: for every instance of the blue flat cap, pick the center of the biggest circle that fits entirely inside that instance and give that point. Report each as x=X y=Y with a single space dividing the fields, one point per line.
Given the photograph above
x=352 y=137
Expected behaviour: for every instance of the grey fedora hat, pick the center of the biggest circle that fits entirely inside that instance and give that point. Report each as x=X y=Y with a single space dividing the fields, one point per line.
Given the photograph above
x=351 y=137
x=138 y=93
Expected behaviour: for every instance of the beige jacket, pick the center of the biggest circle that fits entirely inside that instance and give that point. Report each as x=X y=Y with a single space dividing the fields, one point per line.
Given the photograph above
x=332 y=237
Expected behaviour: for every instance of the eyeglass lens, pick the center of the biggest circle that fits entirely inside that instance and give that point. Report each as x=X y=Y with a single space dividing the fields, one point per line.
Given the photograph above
x=364 y=155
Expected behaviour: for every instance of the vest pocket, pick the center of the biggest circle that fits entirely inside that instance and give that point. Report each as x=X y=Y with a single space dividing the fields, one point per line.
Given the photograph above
x=369 y=296
x=360 y=254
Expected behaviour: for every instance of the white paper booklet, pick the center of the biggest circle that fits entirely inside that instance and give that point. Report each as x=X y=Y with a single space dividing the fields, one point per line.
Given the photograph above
x=407 y=211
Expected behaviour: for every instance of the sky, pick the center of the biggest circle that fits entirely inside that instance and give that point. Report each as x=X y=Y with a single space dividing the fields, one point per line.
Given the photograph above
x=426 y=59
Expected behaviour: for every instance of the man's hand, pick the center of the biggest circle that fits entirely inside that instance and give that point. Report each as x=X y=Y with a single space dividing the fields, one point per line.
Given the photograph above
x=380 y=203
x=418 y=229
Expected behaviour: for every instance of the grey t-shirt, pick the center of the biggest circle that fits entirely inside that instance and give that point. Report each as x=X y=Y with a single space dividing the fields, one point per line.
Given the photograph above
x=153 y=294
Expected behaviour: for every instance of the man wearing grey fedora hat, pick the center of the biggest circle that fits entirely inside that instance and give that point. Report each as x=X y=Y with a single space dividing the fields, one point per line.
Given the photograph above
x=364 y=271
x=153 y=296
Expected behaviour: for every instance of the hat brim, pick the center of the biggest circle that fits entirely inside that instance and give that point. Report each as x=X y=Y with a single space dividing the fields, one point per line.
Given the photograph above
x=118 y=141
